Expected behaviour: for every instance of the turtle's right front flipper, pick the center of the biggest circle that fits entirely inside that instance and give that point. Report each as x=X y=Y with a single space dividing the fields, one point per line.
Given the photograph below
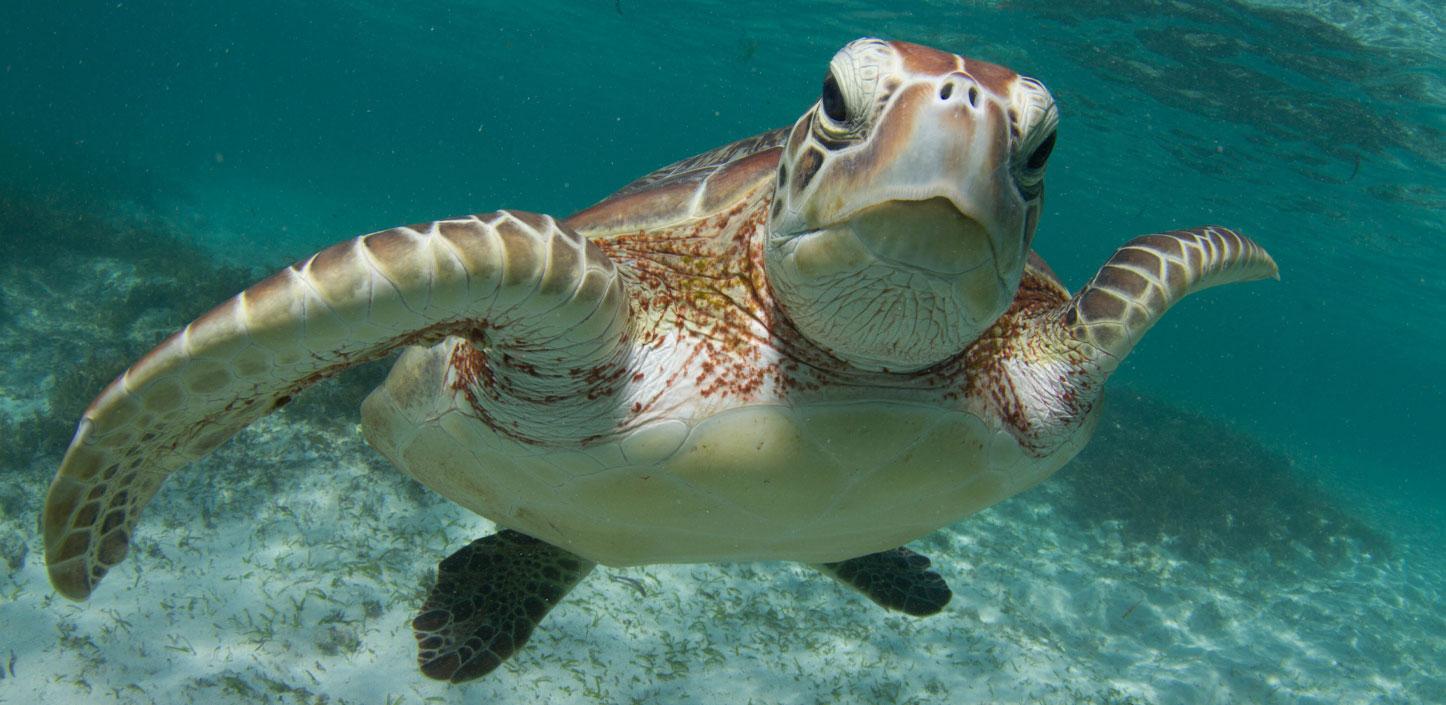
x=1086 y=337
x=522 y=282
x=488 y=598
x=1147 y=276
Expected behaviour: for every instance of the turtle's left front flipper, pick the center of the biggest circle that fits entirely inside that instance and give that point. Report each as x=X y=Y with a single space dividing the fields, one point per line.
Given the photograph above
x=896 y=579
x=1146 y=277
x=488 y=598
x=518 y=282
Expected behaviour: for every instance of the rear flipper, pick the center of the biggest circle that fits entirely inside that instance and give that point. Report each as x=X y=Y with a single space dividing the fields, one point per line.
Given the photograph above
x=488 y=598
x=897 y=579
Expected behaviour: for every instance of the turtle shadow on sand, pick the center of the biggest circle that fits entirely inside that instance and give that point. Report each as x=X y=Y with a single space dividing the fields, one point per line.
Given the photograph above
x=1163 y=474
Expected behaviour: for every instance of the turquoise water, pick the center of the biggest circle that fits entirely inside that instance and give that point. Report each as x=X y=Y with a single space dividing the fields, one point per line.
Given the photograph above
x=267 y=130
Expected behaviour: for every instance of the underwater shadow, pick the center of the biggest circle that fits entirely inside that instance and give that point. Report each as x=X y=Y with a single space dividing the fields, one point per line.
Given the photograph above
x=1162 y=474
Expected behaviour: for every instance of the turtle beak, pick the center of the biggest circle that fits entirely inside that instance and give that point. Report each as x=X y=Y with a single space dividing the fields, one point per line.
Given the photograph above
x=932 y=235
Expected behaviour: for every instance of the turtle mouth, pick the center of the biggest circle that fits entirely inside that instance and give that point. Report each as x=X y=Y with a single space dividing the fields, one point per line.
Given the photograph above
x=931 y=235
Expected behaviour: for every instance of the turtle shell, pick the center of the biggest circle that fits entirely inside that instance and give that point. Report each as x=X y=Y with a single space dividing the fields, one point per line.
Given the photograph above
x=691 y=188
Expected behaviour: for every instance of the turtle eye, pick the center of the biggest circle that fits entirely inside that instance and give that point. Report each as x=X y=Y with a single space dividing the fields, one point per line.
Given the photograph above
x=1040 y=155
x=833 y=100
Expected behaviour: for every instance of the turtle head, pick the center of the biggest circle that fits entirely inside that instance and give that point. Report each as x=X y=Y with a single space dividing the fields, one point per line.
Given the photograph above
x=907 y=197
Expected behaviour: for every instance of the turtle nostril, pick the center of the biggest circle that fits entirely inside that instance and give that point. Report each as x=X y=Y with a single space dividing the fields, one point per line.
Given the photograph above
x=946 y=91
x=973 y=97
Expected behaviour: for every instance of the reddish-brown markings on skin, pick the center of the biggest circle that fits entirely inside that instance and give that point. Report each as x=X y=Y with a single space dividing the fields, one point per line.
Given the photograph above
x=472 y=375
x=1036 y=304
x=701 y=287
x=603 y=380
x=704 y=281
x=475 y=378
x=701 y=281
x=983 y=361
x=491 y=379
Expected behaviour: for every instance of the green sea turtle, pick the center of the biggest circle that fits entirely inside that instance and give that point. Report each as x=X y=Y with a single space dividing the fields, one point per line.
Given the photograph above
x=816 y=345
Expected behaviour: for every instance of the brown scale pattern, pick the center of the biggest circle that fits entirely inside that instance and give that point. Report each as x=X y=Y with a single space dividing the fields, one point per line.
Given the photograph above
x=703 y=280
x=490 y=379
x=1019 y=333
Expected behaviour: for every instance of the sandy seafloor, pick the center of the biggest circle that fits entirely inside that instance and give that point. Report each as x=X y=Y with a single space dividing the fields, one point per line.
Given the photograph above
x=287 y=566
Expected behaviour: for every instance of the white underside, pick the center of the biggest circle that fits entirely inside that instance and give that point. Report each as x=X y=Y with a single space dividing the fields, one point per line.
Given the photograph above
x=823 y=482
